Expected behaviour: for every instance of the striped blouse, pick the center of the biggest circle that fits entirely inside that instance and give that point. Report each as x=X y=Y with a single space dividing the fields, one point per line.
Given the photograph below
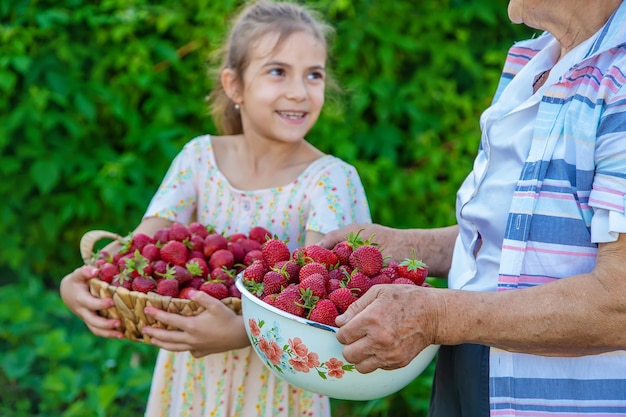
x=576 y=168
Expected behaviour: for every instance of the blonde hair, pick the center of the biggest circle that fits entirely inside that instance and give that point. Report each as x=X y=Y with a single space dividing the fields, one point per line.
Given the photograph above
x=256 y=20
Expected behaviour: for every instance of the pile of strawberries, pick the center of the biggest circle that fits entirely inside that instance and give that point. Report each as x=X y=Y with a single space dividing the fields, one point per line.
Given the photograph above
x=182 y=258
x=319 y=283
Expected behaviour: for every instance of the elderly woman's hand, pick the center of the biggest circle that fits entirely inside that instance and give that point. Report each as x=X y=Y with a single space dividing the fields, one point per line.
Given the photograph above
x=388 y=326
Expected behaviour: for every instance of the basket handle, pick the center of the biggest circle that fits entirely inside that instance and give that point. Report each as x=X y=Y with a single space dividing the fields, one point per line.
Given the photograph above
x=89 y=239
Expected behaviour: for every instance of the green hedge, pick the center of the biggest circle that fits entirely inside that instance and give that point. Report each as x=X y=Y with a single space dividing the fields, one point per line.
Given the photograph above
x=96 y=98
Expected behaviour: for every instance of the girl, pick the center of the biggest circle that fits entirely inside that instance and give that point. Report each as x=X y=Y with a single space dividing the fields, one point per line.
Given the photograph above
x=268 y=96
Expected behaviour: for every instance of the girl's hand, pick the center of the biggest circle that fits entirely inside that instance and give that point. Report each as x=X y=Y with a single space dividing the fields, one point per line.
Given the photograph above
x=75 y=293
x=217 y=329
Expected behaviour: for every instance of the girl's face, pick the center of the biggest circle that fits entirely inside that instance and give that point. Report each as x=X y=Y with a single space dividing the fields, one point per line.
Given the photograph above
x=283 y=88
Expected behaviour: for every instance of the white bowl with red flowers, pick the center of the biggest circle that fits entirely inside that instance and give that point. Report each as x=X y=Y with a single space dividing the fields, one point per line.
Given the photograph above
x=307 y=354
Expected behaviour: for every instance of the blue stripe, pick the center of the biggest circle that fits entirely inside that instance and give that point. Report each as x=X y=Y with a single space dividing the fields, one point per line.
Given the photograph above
x=570 y=389
x=612 y=123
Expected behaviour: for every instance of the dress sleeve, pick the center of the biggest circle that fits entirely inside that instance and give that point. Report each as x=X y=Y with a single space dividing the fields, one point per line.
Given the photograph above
x=608 y=193
x=337 y=199
x=176 y=197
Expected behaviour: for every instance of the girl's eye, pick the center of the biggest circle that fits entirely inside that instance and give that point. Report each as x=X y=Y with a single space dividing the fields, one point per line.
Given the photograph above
x=316 y=75
x=277 y=71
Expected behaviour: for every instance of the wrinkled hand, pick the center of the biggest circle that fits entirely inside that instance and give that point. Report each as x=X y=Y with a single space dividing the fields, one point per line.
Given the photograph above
x=217 y=329
x=75 y=293
x=388 y=326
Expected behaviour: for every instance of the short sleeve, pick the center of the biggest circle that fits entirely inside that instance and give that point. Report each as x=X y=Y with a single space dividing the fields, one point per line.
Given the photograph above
x=176 y=197
x=608 y=193
x=337 y=199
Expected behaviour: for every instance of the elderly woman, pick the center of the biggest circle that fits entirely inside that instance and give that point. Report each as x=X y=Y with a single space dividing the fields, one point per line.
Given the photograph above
x=534 y=320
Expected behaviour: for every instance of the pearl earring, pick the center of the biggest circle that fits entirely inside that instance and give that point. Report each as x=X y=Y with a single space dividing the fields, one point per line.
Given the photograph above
x=236 y=106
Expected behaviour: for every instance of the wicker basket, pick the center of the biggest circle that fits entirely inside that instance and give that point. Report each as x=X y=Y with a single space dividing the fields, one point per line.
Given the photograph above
x=129 y=305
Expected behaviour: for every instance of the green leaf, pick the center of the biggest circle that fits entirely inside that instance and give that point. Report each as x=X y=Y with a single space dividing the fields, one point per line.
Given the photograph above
x=45 y=174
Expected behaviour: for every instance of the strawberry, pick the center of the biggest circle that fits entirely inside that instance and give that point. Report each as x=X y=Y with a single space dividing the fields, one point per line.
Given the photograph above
x=186 y=293
x=290 y=269
x=324 y=312
x=249 y=244
x=195 y=244
x=236 y=236
x=195 y=282
x=316 y=283
x=174 y=252
x=179 y=232
x=136 y=265
x=195 y=254
x=359 y=283
x=273 y=282
x=162 y=235
x=342 y=251
x=413 y=269
x=151 y=252
x=342 y=298
x=390 y=271
x=198 y=229
x=332 y=284
x=253 y=255
x=381 y=278
x=405 y=281
x=215 y=289
x=233 y=291
x=107 y=272
x=222 y=258
x=312 y=268
x=160 y=269
x=167 y=287
x=275 y=250
x=255 y=271
x=321 y=255
x=182 y=274
x=368 y=259
x=213 y=243
x=237 y=250
x=290 y=300
x=225 y=276
x=122 y=280
x=259 y=234
x=139 y=240
x=270 y=299
x=197 y=267
x=143 y=284
x=342 y=273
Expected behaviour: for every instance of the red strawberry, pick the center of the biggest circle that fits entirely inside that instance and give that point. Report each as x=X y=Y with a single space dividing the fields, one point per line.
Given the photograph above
x=168 y=287
x=236 y=236
x=359 y=282
x=273 y=282
x=213 y=243
x=342 y=273
x=195 y=254
x=233 y=291
x=107 y=272
x=413 y=269
x=405 y=281
x=222 y=258
x=270 y=299
x=151 y=252
x=237 y=250
x=195 y=282
x=198 y=229
x=342 y=298
x=160 y=269
x=390 y=271
x=139 y=240
x=290 y=269
x=332 y=284
x=312 y=268
x=122 y=280
x=321 y=255
x=342 y=251
x=368 y=259
x=162 y=235
x=215 y=289
x=143 y=284
x=289 y=300
x=186 y=293
x=316 y=283
x=179 y=232
x=275 y=250
x=381 y=278
x=249 y=244
x=198 y=267
x=260 y=234
x=256 y=271
x=225 y=276
x=174 y=252
x=136 y=265
x=182 y=274
x=253 y=255
x=195 y=244
x=324 y=312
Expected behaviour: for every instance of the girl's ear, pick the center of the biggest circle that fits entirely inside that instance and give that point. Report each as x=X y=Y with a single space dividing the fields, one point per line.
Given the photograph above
x=230 y=82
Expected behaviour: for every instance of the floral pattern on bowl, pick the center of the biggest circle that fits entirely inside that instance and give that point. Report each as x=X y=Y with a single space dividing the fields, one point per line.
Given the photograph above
x=293 y=356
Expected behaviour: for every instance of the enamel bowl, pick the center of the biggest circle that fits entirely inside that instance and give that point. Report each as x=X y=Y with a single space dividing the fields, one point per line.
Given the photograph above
x=307 y=354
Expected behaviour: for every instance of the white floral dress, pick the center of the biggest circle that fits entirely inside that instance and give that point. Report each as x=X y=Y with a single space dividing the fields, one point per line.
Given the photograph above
x=327 y=195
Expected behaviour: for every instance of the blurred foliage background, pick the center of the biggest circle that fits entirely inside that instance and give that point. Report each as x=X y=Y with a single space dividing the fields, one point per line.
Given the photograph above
x=97 y=97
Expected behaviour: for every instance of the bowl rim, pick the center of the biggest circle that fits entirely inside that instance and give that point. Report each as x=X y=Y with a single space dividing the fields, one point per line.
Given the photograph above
x=244 y=291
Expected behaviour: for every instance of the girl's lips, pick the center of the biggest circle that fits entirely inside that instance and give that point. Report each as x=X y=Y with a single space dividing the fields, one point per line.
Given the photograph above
x=294 y=115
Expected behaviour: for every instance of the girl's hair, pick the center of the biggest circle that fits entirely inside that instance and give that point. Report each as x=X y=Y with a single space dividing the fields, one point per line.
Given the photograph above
x=256 y=20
